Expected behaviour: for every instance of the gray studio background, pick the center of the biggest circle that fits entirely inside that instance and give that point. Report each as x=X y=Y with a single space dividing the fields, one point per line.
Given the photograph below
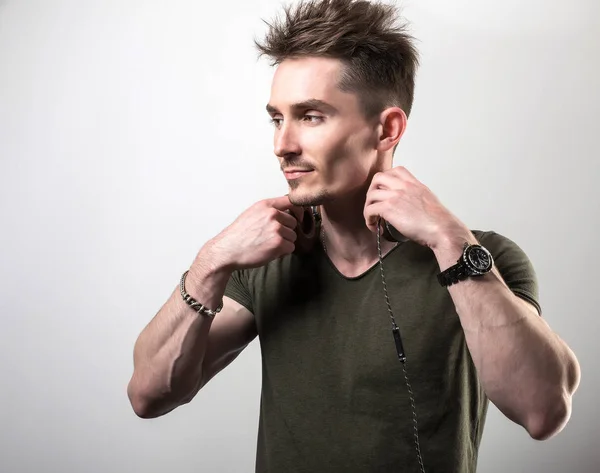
x=131 y=132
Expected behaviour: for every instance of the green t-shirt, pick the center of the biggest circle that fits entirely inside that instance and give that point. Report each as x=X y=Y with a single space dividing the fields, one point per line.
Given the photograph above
x=334 y=398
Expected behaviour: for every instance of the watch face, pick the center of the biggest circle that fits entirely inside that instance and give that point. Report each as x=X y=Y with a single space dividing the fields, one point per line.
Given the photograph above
x=479 y=258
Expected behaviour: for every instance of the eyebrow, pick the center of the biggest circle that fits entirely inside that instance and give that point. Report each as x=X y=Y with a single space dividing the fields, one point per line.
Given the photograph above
x=306 y=105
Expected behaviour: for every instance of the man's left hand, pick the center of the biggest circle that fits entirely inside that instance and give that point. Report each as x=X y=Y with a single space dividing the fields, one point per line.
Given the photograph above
x=406 y=203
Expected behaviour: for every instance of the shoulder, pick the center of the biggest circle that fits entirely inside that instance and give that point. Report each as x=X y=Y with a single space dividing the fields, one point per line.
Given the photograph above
x=500 y=245
x=279 y=271
x=503 y=249
x=513 y=264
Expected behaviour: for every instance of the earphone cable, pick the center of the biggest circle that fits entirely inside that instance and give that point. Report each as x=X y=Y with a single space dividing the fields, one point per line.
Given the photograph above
x=395 y=333
x=400 y=350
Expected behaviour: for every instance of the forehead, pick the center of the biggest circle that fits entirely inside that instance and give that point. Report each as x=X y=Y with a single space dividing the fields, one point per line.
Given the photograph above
x=297 y=80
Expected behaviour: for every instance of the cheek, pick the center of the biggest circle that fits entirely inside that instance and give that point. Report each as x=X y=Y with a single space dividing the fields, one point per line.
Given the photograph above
x=347 y=166
x=323 y=141
x=342 y=153
x=334 y=139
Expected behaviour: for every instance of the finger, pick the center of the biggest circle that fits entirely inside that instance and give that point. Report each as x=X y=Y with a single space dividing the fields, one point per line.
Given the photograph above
x=286 y=248
x=298 y=212
x=288 y=234
x=281 y=203
x=406 y=173
x=386 y=180
x=372 y=214
x=286 y=218
x=374 y=183
x=377 y=195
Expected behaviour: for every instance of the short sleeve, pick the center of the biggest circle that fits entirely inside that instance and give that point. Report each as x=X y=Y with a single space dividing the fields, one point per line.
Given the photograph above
x=514 y=266
x=238 y=289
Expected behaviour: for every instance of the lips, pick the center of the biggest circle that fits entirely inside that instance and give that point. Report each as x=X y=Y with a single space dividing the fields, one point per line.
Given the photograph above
x=294 y=174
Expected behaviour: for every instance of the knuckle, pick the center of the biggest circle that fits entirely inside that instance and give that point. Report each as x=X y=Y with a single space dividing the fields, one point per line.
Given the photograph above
x=279 y=240
x=287 y=246
x=274 y=227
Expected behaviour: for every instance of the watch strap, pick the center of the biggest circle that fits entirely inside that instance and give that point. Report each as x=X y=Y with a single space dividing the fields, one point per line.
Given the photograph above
x=453 y=274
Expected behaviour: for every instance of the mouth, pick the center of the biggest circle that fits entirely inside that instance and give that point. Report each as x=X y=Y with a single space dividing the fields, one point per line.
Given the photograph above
x=295 y=174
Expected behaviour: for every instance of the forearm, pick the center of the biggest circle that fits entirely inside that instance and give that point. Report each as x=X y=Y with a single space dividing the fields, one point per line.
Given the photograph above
x=169 y=352
x=524 y=367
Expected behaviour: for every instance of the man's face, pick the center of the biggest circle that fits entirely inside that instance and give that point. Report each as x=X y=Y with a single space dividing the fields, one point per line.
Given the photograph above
x=320 y=129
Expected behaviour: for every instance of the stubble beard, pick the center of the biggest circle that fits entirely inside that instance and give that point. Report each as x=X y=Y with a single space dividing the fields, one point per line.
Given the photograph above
x=307 y=200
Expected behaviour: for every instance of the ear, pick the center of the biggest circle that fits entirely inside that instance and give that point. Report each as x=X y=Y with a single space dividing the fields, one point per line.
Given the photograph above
x=392 y=125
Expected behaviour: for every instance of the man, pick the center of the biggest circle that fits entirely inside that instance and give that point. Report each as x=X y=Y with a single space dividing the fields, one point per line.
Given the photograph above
x=335 y=397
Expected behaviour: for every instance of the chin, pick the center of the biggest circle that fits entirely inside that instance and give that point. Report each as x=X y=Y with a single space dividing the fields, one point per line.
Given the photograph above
x=307 y=199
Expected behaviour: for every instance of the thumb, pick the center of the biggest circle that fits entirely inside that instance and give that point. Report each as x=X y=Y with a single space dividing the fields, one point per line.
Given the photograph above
x=281 y=203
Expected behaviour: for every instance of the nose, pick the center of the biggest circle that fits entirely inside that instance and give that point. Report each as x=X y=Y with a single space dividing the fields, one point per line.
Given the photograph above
x=286 y=141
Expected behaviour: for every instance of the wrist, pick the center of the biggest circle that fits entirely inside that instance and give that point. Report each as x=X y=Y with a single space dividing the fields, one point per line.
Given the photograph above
x=450 y=246
x=214 y=260
x=207 y=277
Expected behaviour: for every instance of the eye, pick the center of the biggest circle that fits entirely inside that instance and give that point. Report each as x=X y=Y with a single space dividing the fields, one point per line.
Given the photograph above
x=306 y=118
x=313 y=118
x=275 y=122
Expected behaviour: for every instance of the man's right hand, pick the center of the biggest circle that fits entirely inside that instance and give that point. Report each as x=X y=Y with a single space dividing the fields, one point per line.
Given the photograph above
x=262 y=233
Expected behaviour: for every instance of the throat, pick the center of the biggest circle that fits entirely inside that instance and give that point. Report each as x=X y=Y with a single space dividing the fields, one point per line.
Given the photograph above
x=355 y=268
x=354 y=260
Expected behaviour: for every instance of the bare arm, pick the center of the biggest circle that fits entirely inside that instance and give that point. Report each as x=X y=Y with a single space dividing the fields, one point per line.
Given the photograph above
x=173 y=357
x=179 y=351
x=527 y=371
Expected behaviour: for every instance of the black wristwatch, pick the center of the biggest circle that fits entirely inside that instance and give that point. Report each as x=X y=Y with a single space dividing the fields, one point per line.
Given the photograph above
x=474 y=261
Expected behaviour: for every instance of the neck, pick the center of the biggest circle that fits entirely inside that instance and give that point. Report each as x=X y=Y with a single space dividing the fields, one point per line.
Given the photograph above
x=348 y=240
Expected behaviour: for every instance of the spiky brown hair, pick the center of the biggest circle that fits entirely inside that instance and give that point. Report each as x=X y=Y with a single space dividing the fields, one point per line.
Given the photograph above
x=379 y=57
